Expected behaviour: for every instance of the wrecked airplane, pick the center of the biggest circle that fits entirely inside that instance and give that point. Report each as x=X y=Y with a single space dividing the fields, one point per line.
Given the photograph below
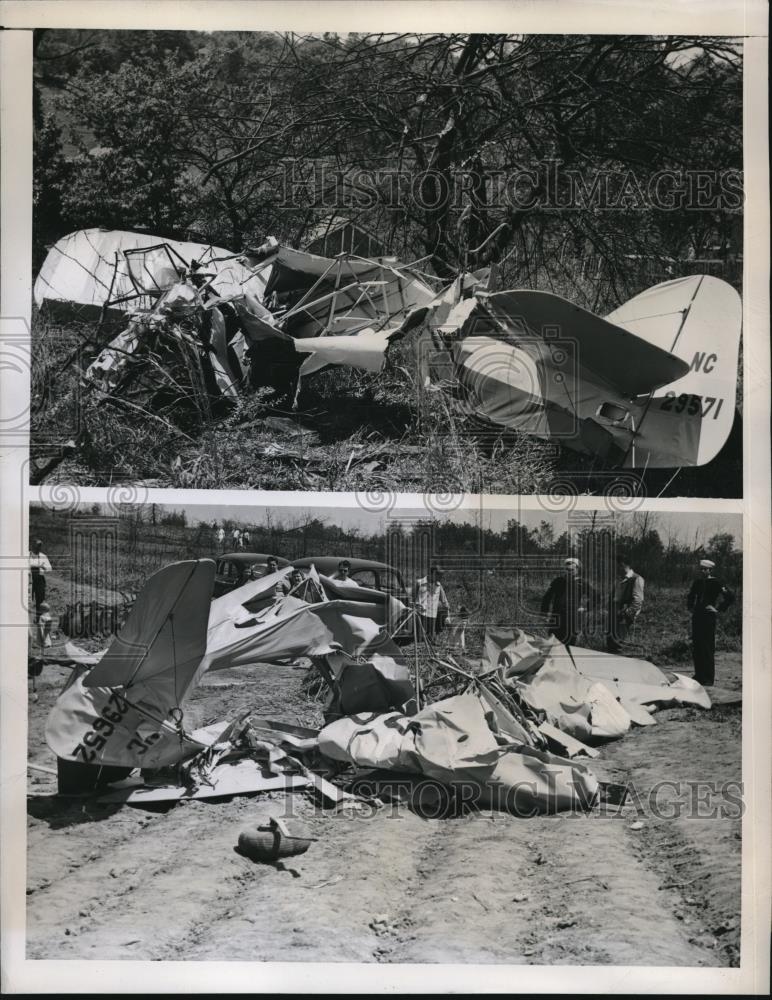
x=510 y=734
x=651 y=385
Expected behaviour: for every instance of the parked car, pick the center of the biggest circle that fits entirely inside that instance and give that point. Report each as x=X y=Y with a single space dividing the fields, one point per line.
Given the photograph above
x=234 y=569
x=365 y=572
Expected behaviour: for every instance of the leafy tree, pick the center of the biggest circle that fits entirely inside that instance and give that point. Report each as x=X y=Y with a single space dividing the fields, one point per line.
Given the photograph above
x=236 y=135
x=721 y=547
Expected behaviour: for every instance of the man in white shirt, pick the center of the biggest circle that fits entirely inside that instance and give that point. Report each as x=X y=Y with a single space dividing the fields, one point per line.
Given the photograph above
x=431 y=602
x=39 y=566
x=342 y=576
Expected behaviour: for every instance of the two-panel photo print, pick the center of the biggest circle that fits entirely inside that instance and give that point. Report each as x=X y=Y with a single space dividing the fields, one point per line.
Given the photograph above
x=385 y=470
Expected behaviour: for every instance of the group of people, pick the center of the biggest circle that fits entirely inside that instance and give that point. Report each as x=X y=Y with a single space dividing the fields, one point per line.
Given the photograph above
x=568 y=600
x=570 y=597
x=239 y=539
x=341 y=577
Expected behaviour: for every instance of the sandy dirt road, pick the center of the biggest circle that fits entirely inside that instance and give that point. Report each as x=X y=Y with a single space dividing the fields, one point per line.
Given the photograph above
x=647 y=884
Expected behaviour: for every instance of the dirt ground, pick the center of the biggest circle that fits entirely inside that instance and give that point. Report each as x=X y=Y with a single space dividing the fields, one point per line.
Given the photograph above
x=640 y=885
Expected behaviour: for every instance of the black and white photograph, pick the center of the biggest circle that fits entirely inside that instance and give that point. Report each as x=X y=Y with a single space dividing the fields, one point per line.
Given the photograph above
x=435 y=262
x=476 y=736
x=386 y=491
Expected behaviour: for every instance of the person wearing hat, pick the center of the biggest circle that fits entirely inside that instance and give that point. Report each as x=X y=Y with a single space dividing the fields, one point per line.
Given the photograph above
x=39 y=566
x=567 y=599
x=431 y=602
x=625 y=605
x=707 y=598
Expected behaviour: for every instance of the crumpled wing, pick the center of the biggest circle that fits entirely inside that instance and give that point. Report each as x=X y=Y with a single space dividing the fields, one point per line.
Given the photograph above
x=87 y=267
x=453 y=741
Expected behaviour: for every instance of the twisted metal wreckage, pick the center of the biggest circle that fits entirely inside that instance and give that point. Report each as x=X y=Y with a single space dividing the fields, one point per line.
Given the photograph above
x=653 y=384
x=524 y=710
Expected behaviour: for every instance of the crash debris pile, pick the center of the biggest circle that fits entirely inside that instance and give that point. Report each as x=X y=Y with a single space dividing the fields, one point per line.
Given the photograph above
x=653 y=384
x=506 y=740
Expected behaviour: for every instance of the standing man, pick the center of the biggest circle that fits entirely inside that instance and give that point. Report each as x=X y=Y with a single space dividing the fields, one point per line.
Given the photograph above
x=567 y=599
x=236 y=538
x=39 y=566
x=245 y=538
x=221 y=538
x=431 y=602
x=707 y=598
x=625 y=605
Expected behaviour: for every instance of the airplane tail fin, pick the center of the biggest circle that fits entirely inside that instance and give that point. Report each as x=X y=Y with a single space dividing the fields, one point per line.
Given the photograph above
x=699 y=319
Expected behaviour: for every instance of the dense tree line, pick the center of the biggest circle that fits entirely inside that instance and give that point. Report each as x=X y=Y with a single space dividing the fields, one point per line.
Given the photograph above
x=662 y=557
x=532 y=152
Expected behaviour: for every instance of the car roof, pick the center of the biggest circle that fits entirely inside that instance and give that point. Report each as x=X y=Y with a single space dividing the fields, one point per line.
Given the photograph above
x=327 y=563
x=253 y=557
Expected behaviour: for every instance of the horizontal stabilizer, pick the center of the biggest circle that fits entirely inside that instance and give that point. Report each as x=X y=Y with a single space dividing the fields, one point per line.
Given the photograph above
x=625 y=360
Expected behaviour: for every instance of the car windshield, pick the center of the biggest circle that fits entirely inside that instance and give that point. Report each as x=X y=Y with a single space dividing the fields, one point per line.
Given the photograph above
x=227 y=570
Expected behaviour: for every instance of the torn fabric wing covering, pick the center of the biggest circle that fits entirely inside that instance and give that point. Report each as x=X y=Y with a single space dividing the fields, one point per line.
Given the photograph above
x=338 y=295
x=250 y=597
x=296 y=634
x=452 y=741
x=586 y=693
x=90 y=266
x=379 y=683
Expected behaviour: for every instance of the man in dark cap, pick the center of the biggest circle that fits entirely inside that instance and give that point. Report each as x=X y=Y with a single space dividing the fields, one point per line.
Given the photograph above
x=707 y=598
x=567 y=600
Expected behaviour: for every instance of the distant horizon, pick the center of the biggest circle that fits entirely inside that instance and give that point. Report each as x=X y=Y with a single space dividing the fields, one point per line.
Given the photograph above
x=692 y=526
